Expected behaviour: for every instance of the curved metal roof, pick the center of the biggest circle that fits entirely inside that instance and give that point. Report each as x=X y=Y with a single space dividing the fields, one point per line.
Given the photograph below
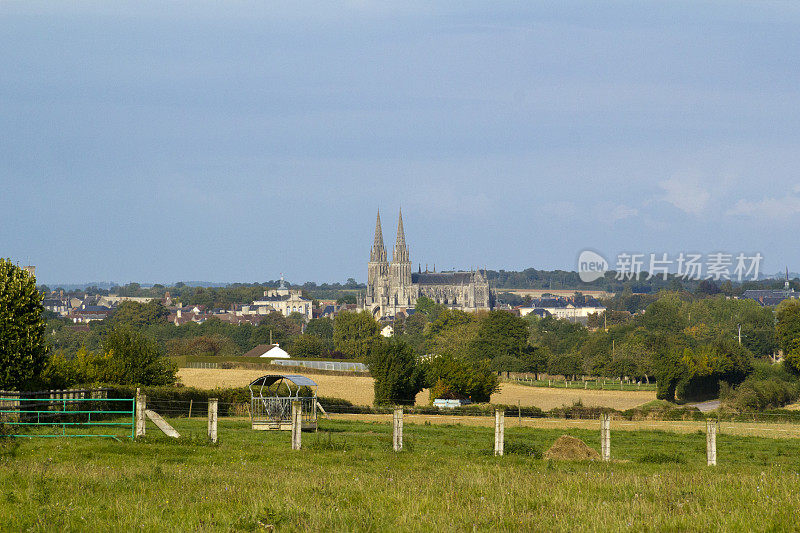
x=269 y=379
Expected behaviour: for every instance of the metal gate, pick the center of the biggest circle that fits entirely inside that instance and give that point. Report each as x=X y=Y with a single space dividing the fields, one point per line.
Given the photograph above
x=67 y=413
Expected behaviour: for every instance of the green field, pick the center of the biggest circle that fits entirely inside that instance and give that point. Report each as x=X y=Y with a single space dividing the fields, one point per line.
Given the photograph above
x=347 y=478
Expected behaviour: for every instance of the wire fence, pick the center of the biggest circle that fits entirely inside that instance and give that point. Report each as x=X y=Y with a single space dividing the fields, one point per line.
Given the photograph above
x=586 y=384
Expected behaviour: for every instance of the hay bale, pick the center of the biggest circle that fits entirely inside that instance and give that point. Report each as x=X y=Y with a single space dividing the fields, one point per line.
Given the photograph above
x=567 y=448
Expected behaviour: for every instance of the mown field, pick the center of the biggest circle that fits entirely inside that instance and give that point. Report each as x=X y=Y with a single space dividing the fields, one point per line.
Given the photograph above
x=359 y=390
x=346 y=478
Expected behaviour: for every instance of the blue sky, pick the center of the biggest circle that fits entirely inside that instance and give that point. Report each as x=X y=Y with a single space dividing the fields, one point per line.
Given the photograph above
x=233 y=141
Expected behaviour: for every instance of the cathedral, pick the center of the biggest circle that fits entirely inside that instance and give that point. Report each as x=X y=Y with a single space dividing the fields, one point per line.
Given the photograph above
x=394 y=287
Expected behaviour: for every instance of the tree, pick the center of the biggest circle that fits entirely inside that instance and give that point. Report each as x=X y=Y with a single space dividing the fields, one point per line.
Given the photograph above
x=429 y=308
x=321 y=327
x=308 y=346
x=137 y=315
x=788 y=326
x=355 y=334
x=23 y=353
x=398 y=376
x=457 y=378
x=135 y=359
x=501 y=334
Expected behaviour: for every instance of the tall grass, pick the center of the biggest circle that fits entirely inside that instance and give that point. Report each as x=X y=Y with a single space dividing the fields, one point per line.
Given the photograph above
x=347 y=478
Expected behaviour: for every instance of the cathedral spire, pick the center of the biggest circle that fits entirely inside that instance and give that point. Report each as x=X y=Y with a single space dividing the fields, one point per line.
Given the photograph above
x=401 y=234
x=400 y=252
x=378 y=252
x=378 y=232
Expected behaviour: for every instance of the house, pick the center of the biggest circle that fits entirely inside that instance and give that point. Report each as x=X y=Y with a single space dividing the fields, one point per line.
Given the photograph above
x=282 y=300
x=56 y=305
x=90 y=313
x=562 y=308
x=387 y=331
x=271 y=351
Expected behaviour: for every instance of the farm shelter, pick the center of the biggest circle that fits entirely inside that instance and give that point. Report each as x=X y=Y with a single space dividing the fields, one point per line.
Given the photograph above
x=271 y=398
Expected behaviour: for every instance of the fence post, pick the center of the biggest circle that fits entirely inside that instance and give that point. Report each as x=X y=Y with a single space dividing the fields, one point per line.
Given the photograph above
x=191 y=401
x=605 y=436
x=297 y=427
x=519 y=411
x=212 y=419
x=141 y=405
x=711 y=442
x=397 y=433
x=499 y=431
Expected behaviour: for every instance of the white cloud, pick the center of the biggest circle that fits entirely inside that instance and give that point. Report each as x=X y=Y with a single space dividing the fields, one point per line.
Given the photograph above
x=797 y=188
x=767 y=207
x=621 y=212
x=686 y=194
x=560 y=207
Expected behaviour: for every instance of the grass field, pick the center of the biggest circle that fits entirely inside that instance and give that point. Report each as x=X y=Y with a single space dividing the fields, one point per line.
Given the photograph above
x=346 y=478
x=359 y=390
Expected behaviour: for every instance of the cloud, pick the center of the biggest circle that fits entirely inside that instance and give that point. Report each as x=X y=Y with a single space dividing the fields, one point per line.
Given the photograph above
x=621 y=212
x=686 y=194
x=771 y=208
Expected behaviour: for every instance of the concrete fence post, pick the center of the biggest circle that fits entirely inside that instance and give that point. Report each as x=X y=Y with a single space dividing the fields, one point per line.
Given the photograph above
x=141 y=406
x=212 y=419
x=605 y=436
x=499 y=431
x=397 y=429
x=297 y=425
x=711 y=442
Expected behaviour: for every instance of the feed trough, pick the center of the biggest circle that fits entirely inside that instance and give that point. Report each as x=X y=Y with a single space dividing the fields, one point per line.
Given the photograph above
x=271 y=398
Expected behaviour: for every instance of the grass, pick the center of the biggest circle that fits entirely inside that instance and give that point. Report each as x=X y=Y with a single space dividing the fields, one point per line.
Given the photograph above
x=346 y=478
x=359 y=390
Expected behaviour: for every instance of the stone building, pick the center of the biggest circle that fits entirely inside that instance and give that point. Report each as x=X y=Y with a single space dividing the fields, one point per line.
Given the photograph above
x=393 y=286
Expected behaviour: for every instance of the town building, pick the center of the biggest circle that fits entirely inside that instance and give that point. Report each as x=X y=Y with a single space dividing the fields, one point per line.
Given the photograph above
x=772 y=297
x=283 y=300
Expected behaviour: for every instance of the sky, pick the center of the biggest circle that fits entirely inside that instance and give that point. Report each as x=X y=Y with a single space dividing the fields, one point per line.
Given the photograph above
x=235 y=141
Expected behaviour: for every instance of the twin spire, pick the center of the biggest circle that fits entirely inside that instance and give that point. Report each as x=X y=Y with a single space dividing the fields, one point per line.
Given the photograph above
x=400 y=252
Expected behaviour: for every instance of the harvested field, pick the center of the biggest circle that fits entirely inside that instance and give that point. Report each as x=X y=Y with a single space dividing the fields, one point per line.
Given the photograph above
x=359 y=390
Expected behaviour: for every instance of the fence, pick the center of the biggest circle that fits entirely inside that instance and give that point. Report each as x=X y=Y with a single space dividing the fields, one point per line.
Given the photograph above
x=201 y=364
x=323 y=365
x=28 y=413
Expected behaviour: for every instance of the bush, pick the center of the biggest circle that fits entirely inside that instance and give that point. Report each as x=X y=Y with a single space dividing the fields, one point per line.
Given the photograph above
x=761 y=394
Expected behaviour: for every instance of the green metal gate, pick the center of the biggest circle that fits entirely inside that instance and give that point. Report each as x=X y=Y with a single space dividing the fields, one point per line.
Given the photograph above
x=67 y=414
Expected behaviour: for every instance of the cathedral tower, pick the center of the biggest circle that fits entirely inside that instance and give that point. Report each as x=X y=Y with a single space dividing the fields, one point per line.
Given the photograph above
x=400 y=269
x=377 y=269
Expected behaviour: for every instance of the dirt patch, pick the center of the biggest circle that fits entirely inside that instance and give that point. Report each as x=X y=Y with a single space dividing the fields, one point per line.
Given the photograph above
x=567 y=448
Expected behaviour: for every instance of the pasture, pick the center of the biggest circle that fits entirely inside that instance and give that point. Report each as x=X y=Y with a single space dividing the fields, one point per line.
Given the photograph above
x=347 y=478
x=359 y=390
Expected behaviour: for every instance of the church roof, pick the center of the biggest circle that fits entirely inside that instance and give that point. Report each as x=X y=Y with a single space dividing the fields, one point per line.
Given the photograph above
x=441 y=278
